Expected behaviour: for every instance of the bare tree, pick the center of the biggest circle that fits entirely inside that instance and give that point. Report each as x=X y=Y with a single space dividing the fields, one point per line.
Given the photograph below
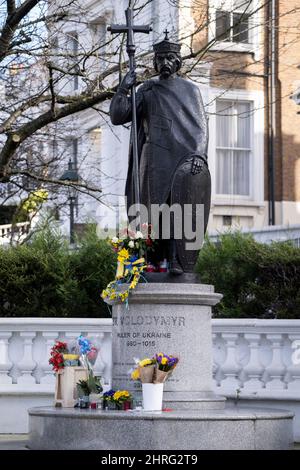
x=48 y=74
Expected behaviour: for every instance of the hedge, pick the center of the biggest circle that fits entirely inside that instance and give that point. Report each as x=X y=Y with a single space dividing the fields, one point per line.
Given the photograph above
x=45 y=279
x=256 y=280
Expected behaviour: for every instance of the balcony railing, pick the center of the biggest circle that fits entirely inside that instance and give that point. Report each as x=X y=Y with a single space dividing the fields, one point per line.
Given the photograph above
x=13 y=233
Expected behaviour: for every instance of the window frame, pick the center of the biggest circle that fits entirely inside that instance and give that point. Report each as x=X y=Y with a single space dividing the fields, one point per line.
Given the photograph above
x=72 y=38
x=256 y=98
x=232 y=149
x=230 y=46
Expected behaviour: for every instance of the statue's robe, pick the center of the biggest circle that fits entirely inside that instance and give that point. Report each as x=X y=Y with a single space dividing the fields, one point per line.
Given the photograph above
x=172 y=128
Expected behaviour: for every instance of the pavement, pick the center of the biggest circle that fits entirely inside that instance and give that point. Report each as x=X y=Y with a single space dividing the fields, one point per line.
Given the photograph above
x=13 y=441
x=19 y=441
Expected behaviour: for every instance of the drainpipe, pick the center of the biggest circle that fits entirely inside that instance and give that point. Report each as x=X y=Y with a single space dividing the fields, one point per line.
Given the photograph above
x=272 y=107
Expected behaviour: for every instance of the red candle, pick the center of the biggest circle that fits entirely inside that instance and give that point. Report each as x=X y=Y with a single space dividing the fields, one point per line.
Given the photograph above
x=93 y=406
x=127 y=405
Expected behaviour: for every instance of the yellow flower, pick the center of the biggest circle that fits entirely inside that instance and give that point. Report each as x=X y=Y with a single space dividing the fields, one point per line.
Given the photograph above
x=164 y=361
x=145 y=362
x=123 y=255
x=121 y=394
x=135 y=375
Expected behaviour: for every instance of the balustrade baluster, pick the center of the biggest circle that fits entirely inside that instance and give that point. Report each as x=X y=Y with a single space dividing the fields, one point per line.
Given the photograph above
x=230 y=367
x=275 y=370
x=99 y=366
x=48 y=374
x=5 y=363
x=254 y=368
x=219 y=355
x=292 y=375
x=27 y=364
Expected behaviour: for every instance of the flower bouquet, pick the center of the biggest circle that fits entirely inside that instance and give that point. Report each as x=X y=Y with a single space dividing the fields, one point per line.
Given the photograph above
x=164 y=367
x=131 y=249
x=153 y=373
x=72 y=361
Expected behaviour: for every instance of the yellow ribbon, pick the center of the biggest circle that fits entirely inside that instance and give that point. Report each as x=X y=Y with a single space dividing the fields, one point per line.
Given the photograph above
x=123 y=271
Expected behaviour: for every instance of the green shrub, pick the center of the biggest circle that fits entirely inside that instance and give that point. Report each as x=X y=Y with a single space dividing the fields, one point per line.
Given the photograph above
x=44 y=279
x=256 y=280
x=94 y=266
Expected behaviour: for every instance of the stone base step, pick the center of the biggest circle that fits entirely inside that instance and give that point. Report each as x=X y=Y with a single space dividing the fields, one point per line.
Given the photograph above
x=229 y=429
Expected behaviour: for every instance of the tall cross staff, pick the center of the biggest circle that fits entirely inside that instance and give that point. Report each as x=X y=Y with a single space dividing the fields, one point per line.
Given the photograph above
x=130 y=28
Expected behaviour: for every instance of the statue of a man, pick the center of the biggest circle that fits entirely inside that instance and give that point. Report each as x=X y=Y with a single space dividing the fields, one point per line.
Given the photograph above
x=172 y=144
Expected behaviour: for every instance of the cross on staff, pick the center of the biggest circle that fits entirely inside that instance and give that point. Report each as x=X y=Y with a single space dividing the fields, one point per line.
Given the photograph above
x=130 y=28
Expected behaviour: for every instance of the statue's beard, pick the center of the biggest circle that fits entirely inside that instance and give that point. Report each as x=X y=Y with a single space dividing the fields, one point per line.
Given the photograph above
x=166 y=72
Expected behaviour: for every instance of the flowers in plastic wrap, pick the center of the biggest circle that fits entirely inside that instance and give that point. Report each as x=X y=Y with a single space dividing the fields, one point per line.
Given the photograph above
x=72 y=353
x=155 y=370
x=164 y=367
x=57 y=355
x=144 y=370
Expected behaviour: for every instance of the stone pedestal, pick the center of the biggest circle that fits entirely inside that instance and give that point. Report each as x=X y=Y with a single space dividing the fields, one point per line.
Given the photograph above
x=174 y=319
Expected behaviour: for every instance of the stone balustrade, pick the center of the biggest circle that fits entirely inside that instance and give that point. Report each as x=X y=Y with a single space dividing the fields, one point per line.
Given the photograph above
x=256 y=358
x=253 y=360
x=251 y=356
x=25 y=345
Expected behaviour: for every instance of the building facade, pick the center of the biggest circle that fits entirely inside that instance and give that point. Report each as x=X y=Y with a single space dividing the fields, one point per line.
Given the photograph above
x=243 y=54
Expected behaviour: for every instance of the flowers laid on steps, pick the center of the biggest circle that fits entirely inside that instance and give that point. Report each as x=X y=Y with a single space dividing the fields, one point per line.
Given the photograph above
x=79 y=352
x=117 y=399
x=107 y=398
x=121 y=397
x=73 y=363
x=131 y=248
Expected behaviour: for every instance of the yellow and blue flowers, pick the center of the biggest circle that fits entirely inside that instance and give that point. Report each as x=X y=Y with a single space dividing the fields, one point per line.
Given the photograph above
x=130 y=267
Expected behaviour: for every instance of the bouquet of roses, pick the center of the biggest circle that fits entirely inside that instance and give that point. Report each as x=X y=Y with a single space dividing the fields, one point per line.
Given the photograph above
x=57 y=355
x=73 y=353
x=155 y=370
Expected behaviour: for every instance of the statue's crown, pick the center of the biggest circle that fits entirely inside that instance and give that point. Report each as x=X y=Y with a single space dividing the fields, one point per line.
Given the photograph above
x=166 y=45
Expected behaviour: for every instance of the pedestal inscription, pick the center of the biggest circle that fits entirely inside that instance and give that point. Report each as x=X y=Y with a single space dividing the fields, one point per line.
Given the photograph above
x=170 y=318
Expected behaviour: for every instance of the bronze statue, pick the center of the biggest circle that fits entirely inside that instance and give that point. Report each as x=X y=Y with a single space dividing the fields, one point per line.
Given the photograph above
x=172 y=137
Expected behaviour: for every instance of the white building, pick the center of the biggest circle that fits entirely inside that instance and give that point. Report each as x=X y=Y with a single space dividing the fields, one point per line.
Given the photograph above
x=236 y=108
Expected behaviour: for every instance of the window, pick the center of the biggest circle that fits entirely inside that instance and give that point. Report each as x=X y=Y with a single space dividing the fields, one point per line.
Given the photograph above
x=99 y=39
x=234 y=22
x=72 y=46
x=72 y=150
x=233 y=147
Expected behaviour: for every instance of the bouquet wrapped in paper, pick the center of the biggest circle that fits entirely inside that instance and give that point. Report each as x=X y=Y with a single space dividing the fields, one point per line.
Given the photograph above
x=155 y=370
x=164 y=367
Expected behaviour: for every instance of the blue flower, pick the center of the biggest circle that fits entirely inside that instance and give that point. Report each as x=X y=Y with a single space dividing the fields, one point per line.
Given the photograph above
x=85 y=344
